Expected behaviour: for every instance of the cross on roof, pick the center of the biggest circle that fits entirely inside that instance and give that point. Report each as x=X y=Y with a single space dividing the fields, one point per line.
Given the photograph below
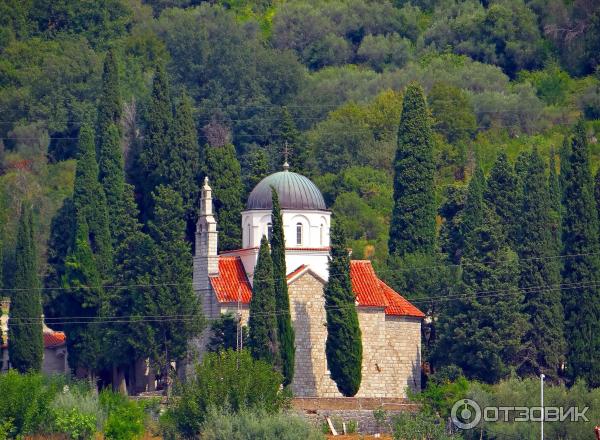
x=286 y=152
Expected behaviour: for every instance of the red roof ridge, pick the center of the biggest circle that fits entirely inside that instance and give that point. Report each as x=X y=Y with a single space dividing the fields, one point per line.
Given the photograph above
x=231 y=284
x=296 y=271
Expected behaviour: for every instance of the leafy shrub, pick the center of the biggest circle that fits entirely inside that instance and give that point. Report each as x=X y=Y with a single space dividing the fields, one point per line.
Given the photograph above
x=258 y=424
x=442 y=392
x=76 y=424
x=229 y=381
x=77 y=412
x=25 y=401
x=125 y=417
x=420 y=426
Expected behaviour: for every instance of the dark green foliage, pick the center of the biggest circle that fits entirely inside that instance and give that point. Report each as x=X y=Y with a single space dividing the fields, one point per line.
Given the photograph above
x=544 y=342
x=453 y=112
x=555 y=195
x=263 y=339
x=25 y=340
x=343 y=348
x=501 y=195
x=82 y=297
x=90 y=203
x=256 y=167
x=451 y=211
x=285 y=332
x=580 y=237
x=158 y=137
x=224 y=172
x=224 y=334
x=473 y=211
x=297 y=151
x=183 y=162
x=112 y=177
x=172 y=276
x=412 y=227
x=227 y=380
x=109 y=105
x=481 y=331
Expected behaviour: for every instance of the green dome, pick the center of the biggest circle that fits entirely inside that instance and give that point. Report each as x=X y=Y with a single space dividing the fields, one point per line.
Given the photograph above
x=294 y=190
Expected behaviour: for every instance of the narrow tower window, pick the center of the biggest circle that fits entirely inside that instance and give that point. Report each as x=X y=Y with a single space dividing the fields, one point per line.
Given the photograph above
x=249 y=239
x=269 y=231
x=321 y=235
x=299 y=233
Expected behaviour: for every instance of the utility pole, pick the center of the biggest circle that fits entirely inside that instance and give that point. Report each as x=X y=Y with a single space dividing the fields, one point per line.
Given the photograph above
x=542 y=405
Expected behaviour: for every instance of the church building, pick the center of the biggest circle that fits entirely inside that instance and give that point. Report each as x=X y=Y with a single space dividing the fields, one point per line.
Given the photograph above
x=390 y=325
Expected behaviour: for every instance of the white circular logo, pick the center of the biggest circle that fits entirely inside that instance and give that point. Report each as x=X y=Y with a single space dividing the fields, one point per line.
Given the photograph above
x=466 y=414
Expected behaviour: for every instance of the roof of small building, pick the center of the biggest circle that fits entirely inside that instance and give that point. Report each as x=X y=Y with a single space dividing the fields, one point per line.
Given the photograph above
x=232 y=283
x=295 y=191
x=52 y=339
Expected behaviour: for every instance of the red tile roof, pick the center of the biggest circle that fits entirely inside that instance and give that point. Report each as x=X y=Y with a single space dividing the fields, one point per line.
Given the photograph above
x=369 y=289
x=52 y=339
x=232 y=283
x=366 y=284
x=398 y=305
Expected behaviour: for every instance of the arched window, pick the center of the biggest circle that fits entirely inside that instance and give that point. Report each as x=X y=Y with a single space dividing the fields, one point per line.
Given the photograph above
x=299 y=233
x=321 y=235
x=249 y=239
x=269 y=231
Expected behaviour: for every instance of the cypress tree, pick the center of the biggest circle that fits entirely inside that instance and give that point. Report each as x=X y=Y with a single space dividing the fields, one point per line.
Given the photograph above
x=481 y=331
x=90 y=204
x=262 y=323
x=285 y=332
x=25 y=339
x=451 y=211
x=82 y=298
x=412 y=227
x=172 y=276
x=183 y=164
x=158 y=139
x=580 y=237
x=474 y=207
x=109 y=105
x=597 y=191
x=564 y=154
x=112 y=177
x=290 y=136
x=538 y=267
x=501 y=195
x=343 y=347
x=554 y=193
x=257 y=167
x=224 y=171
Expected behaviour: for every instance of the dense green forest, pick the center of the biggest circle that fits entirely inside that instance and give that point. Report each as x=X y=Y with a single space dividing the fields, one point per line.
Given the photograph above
x=149 y=96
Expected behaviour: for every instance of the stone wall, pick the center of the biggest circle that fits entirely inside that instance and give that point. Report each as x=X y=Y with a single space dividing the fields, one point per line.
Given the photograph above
x=372 y=327
x=307 y=308
x=402 y=365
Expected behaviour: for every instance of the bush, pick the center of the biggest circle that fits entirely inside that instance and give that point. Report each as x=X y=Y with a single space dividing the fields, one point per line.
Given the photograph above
x=257 y=424
x=76 y=424
x=126 y=418
x=419 y=427
x=24 y=403
x=228 y=381
x=77 y=412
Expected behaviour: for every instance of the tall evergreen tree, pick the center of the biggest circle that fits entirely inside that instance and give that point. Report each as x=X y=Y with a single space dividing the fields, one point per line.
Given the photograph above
x=343 y=347
x=555 y=204
x=501 y=195
x=582 y=268
x=256 y=167
x=472 y=215
x=564 y=154
x=25 y=339
x=153 y=158
x=285 y=332
x=290 y=136
x=90 y=204
x=262 y=323
x=224 y=170
x=112 y=177
x=451 y=211
x=172 y=276
x=183 y=163
x=412 y=227
x=481 y=331
x=109 y=105
x=545 y=343
x=82 y=298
